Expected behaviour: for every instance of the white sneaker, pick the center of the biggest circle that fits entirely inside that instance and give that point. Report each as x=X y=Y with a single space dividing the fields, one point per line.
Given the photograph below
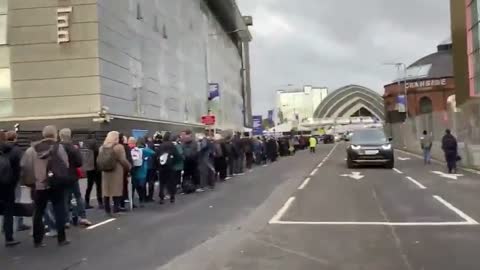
x=200 y=190
x=51 y=233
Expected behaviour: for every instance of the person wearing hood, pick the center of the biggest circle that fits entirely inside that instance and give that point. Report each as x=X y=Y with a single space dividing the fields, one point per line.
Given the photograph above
x=190 y=154
x=18 y=153
x=168 y=157
x=140 y=172
x=450 y=148
x=10 y=157
x=34 y=169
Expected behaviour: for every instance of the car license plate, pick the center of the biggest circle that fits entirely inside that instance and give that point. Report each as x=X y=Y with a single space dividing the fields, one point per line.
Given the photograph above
x=371 y=152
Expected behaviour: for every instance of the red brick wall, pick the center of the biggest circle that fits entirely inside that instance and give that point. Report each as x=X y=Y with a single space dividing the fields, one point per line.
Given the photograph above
x=438 y=95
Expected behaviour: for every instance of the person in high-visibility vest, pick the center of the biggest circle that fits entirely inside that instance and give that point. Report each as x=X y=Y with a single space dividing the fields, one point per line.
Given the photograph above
x=313 y=144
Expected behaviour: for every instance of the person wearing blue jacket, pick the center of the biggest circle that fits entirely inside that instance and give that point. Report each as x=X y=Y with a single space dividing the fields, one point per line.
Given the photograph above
x=139 y=174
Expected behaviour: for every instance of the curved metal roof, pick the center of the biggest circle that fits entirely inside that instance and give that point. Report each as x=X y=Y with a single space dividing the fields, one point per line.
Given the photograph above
x=440 y=64
x=347 y=100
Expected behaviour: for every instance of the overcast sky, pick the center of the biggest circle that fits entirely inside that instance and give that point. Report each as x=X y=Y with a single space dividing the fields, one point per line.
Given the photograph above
x=333 y=43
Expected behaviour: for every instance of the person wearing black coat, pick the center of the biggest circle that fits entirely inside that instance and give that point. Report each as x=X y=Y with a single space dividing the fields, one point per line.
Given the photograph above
x=7 y=188
x=450 y=148
x=94 y=177
x=123 y=141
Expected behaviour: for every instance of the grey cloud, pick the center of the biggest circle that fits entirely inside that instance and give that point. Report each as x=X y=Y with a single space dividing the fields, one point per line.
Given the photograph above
x=337 y=42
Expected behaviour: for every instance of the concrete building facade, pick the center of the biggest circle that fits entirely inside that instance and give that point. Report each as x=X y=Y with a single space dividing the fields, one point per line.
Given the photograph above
x=300 y=104
x=136 y=64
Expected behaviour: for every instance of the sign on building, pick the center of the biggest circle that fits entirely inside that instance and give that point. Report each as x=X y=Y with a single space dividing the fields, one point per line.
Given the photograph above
x=63 y=24
x=426 y=83
x=257 y=125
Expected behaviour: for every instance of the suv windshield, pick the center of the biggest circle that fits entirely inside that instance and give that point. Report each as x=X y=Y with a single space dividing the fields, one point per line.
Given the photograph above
x=372 y=136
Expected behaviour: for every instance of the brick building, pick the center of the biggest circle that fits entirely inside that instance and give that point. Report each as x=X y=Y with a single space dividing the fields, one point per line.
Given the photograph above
x=428 y=85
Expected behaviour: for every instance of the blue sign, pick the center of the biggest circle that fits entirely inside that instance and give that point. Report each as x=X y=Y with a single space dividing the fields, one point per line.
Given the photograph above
x=139 y=133
x=401 y=103
x=257 y=125
x=213 y=91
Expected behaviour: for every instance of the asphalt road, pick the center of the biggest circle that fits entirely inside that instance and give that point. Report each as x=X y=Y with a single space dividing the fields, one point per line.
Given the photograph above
x=303 y=212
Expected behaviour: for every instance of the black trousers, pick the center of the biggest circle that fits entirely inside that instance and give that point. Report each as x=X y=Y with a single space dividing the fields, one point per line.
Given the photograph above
x=151 y=179
x=249 y=160
x=41 y=198
x=221 y=167
x=168 y=181
x=312 y=149
x=190 y=172
x=451 y=159
x=7 y=199
x=94 y=178
x=116 y=204
x=231 y=165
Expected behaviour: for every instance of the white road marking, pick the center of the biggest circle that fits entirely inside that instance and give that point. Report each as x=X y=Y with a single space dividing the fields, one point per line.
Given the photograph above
x=304 y=184
x=314 y=172
x=397 y=170
x=456 y=210
x=393 y=224
x=354 y=175
x=447 y=175
x=282 y=211
x=403 y=158
x=101 y=223
x=416 y=182
x=320 y=165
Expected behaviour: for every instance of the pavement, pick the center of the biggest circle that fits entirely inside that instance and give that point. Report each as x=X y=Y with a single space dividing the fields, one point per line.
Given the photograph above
x=303 y=212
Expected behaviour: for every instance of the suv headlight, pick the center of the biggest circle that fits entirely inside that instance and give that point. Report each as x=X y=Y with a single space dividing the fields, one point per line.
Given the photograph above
x=356 y=147
x=386 y=146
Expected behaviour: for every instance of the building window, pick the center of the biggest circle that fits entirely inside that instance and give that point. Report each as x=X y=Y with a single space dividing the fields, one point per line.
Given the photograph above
x=425 y=105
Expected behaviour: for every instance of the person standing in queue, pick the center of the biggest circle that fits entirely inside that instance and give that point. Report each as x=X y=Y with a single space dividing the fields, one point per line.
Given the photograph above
x=74 y=163
x=168 y=156
x=450 y=148
x=125 y=197
x=140 y=169
x=10 y=173
x=191 y=178
x=112 y=161
x=37 y=169
x=94 y=176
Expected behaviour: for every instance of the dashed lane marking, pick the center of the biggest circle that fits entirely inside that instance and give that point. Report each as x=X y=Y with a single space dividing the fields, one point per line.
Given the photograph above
x=101 y=223
x=416 y=182
x=305 y=183
x=314 y=172
x=397 y=171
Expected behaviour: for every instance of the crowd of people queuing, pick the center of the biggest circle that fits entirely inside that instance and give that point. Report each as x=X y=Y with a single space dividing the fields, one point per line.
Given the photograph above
x=53 y=166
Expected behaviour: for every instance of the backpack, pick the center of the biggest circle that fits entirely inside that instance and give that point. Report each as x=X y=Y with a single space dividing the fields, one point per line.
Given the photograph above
x=88 y=159
x=58 y=173
x=166 y=157
x=106 y=160
x=5 y=169
x=137 y=157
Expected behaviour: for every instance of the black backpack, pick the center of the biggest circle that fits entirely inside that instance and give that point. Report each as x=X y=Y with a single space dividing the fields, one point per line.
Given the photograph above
x=6 y=174
x=58 y=173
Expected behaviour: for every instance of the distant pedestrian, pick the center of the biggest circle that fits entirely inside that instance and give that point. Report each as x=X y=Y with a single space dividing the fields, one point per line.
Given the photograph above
x=190 y=169
x=123 y=141
x=312 y=144
x=220 y=158
x=140 y=169
x=38 y=163
x=450 y=148
x=74 y=163
x=18 y=153
x=167 y=157
x=247 y=144
x=426 y=145
x=10 y=172
x=239 y=154
x=112 y=161
x=94 y=176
